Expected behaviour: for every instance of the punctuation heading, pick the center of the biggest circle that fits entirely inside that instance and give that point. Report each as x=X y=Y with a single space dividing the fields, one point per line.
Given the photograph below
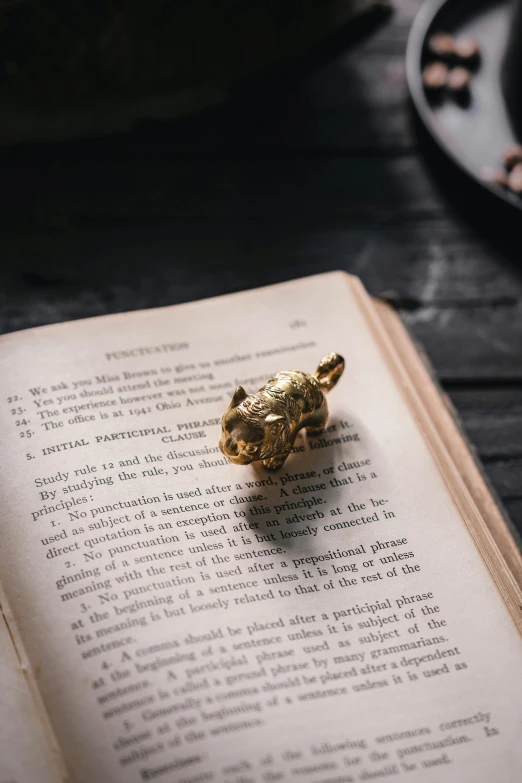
x=132 y=353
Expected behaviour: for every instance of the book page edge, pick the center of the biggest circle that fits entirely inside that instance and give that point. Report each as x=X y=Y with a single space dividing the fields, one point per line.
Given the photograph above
x=40 y=711
x=469 y=491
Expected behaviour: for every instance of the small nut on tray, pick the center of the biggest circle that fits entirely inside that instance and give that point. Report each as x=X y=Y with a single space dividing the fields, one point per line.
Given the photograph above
x=435 y=76
x=459 y=79
x=441 y=45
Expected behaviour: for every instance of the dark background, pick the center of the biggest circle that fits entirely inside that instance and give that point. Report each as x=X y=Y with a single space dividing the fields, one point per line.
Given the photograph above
x=291 y=180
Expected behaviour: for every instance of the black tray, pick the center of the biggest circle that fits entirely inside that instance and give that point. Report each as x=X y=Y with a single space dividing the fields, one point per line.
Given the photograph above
x=474 y=135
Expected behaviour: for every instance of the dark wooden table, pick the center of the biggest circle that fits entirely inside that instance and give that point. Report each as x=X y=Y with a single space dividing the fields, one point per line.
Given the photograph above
x=325 y=174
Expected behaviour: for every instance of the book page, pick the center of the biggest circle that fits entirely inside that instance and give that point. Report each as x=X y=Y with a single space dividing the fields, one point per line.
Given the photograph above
x=194 y=620
x=25 y=749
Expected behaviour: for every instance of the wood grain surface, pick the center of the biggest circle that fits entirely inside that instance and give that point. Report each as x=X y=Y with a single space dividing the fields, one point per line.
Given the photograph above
x=321 y=172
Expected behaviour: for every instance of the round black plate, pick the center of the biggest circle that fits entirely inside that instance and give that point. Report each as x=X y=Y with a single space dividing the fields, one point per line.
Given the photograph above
x=475 y=135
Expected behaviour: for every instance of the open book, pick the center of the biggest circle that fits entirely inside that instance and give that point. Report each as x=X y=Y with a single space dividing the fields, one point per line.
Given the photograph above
x=171 y=617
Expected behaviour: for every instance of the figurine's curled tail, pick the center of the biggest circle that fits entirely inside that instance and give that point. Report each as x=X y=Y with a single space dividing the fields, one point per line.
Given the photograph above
x=329 y=371
x=264 y=426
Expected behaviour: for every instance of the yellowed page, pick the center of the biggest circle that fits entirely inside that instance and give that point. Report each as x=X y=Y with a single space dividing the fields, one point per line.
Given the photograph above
x=25 y=747
x=194 y=620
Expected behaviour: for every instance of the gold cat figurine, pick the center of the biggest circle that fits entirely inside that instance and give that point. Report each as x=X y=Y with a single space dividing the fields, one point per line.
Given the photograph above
x=264 y=426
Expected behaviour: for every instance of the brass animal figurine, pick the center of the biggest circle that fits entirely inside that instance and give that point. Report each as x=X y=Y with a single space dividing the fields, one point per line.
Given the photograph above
x=264 y=426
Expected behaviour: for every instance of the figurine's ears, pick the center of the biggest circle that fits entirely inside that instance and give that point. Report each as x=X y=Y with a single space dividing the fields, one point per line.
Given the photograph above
x=239 y=395
x=275 y=422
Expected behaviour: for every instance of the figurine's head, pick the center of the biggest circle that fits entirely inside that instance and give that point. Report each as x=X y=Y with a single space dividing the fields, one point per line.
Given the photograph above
x=252 y=429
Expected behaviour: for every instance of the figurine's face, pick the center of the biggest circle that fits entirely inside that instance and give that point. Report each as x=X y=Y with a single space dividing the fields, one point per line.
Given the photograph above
x=241 y=441
x=245 y=440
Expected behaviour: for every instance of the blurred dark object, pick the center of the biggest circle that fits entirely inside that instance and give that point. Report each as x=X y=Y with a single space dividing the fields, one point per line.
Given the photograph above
x=512 y=70
x=74 y=67
x=473 y=133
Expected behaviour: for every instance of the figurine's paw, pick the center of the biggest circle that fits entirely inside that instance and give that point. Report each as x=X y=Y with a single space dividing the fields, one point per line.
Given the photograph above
x=274 y=463
x=315 y=430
